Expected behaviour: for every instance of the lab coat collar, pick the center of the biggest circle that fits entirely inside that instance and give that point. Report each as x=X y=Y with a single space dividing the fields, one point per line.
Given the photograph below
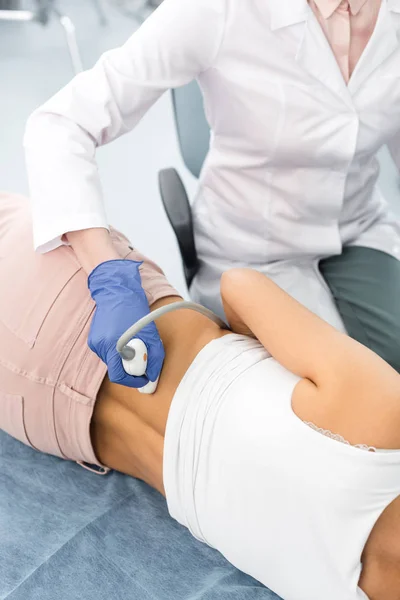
x=288 y=12
x=315 y=55
x=383 y=43
x=328 y=7
x=313 y=52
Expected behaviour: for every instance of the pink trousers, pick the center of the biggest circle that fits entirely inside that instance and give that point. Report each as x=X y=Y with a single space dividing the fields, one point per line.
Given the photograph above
x=49 y=378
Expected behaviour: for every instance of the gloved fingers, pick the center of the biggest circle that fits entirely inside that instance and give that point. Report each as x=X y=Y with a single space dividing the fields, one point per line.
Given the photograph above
x=121 y=301
x=155 y=350
x=117 y=373
x=133 y=382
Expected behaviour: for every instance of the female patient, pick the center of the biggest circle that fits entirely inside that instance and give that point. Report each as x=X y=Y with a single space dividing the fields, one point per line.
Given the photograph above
x=238 y=435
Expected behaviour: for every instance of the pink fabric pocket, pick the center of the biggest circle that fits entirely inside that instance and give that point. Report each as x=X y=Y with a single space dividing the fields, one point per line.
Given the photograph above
x=32 y=284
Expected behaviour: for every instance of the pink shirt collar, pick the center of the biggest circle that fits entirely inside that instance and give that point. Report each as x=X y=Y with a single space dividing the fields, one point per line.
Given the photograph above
x=328 y=7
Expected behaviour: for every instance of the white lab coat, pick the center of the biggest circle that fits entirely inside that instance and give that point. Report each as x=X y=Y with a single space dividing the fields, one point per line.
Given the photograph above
x=291 y=173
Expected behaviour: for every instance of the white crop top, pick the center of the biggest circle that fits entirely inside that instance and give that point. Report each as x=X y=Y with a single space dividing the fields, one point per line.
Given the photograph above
x=283 y=503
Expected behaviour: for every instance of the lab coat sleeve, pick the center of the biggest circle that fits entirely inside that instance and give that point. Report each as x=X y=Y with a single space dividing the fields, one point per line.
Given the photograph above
x=176 y=43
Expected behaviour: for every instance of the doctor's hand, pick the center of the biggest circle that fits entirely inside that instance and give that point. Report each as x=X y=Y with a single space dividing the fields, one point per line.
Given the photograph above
x=116 y=288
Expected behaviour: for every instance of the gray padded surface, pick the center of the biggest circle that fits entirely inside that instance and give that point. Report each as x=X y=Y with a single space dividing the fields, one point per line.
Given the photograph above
x=192 y=128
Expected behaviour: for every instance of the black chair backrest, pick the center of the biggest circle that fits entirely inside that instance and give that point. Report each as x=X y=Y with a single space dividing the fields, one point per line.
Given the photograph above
x=194 y=140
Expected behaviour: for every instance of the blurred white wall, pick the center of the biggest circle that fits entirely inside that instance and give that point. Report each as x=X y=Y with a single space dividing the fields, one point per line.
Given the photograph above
x=34 y=64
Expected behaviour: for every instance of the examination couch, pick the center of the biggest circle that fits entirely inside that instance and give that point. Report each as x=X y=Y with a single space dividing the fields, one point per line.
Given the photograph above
x=68 y=534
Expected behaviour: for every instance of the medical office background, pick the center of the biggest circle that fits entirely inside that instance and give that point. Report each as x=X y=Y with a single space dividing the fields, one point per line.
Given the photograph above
x=36 y=60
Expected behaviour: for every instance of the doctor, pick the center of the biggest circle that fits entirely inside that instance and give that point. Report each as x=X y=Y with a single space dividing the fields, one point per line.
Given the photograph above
x=300 y=96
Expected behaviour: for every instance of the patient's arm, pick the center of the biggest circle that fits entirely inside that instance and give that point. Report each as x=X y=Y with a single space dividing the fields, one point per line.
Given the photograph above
x=356 y=394
x=298 y=339
x=92 y=247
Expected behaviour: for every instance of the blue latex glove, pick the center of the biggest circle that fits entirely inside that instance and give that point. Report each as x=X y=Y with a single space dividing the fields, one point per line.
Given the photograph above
x=116 y=288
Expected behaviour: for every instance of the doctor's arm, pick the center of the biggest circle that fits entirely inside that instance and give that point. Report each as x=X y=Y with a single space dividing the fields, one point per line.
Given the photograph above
x=178 y=41
x=298 y=339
